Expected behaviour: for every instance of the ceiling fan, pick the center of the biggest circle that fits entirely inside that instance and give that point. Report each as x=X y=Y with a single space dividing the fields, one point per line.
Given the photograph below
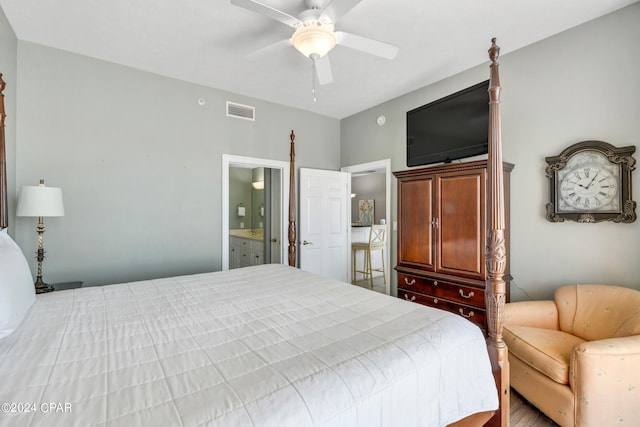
x=315 y=34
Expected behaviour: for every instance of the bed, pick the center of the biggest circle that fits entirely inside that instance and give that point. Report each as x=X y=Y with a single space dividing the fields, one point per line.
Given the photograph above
x=268 y=345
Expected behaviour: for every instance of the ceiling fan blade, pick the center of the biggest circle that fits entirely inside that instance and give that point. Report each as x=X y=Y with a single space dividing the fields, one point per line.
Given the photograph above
x=323 y=70
x=336 y=9
x=266 y=10
x=364 y=44
x=267 y=50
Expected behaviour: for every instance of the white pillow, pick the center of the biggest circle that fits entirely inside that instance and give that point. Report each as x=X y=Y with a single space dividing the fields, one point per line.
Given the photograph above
x=17 y=293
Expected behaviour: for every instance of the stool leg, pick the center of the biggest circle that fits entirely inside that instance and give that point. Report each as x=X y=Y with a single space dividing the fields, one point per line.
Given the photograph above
x=353 y=260
x=384 y=273
x=369 y=268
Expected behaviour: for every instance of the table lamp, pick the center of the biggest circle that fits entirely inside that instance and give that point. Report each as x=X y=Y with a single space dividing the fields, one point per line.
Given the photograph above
x=40 y=201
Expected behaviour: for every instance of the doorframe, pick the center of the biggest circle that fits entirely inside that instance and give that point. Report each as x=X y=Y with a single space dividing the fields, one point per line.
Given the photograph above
x=377 y=166
x=229 y=160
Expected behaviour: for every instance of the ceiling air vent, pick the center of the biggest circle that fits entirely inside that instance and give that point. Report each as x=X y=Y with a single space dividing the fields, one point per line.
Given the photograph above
x=240 y=111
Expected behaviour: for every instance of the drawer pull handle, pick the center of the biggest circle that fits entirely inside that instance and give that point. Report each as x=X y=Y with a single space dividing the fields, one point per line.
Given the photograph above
x=435 y=283
x=413 y=298
x=435 y=300
x=461 y=311
x=407 y=282
x=468 y=296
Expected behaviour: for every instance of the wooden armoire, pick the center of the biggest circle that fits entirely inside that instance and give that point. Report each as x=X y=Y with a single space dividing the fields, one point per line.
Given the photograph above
x=442 y=225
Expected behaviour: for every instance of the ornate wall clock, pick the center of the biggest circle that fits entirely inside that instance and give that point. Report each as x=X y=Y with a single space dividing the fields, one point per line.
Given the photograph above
x=591 y=182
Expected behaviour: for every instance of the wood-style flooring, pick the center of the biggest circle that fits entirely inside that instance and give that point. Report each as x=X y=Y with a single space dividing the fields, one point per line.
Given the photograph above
x=378 y=283
x=523 y=414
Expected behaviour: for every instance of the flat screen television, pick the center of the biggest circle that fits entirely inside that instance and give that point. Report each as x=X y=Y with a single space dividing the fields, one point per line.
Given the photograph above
x=451 y=128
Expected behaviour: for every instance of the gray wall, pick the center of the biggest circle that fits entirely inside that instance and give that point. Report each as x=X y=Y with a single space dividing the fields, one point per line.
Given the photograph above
x=8 y=67
x=578 y=85
x=139 y=162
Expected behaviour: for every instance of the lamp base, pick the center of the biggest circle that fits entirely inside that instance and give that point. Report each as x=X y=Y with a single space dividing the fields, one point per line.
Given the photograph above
x=42 y=287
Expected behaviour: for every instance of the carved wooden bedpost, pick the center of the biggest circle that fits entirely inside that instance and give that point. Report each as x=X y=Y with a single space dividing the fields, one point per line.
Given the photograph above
x=4 y=211
x=292 y=203
x=496 y=258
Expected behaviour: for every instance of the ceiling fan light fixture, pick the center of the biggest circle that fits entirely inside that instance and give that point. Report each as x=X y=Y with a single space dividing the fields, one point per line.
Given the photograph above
x=314 y=41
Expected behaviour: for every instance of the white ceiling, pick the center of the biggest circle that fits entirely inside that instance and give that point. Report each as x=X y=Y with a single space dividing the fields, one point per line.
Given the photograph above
x=206 y=41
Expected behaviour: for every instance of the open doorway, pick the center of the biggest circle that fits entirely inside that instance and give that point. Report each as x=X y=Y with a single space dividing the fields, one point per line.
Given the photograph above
x=253 y=205
x=371 y=190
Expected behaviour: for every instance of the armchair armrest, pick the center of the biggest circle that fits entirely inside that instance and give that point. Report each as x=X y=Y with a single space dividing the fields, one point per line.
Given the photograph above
x=605 y=378
x=535 y=314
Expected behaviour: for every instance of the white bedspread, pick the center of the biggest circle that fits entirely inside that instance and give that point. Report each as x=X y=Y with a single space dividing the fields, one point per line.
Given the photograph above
x=259 y=346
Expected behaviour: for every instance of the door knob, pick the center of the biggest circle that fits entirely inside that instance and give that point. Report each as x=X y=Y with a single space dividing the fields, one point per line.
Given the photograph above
x=304 y=242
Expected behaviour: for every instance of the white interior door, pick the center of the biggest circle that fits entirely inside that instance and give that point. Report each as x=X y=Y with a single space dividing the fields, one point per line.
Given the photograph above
x=324 y=228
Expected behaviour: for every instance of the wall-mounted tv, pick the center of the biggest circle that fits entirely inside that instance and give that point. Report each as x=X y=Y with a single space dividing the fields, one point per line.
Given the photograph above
x=450 y=128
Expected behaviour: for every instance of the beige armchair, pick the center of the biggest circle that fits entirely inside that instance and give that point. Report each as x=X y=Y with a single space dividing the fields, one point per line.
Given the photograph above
x=577 y=358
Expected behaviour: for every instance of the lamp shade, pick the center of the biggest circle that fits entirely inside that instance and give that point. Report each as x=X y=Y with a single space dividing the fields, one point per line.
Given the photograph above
x=40 y=201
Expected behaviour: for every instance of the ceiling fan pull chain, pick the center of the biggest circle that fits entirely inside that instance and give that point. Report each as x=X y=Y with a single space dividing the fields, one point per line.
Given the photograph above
x=314 y=78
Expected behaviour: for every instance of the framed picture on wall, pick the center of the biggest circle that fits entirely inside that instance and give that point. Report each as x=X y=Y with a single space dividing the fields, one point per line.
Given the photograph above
x=366 y=212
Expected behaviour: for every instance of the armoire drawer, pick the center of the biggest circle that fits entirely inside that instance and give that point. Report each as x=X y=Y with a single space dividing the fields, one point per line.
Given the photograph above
x=451 y=291
x=473 y=314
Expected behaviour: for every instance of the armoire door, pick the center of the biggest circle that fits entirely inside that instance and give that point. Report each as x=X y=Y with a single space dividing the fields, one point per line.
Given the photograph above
x=415 y=229
x=460 y=210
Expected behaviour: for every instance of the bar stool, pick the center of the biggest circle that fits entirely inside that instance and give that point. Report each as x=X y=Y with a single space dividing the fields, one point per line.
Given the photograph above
x=375 y=243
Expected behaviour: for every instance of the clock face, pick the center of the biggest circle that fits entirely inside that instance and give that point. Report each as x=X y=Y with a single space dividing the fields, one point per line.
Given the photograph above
x=589 y=182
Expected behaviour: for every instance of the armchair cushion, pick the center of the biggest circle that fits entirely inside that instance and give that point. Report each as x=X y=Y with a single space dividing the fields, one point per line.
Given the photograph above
x=537 y=314
x=545 y=350
x=596 y=312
